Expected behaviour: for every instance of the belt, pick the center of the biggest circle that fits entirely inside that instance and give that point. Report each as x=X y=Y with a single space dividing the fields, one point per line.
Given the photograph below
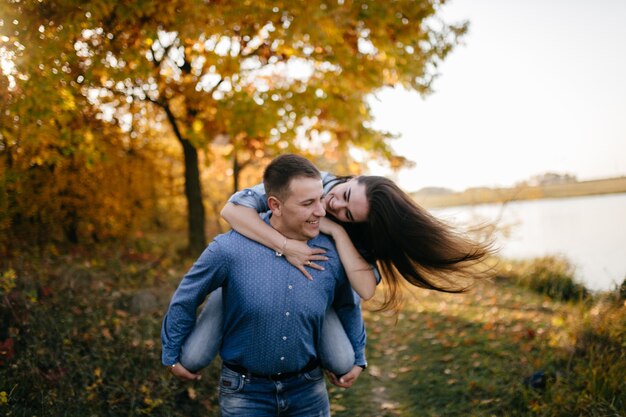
x=275 y=377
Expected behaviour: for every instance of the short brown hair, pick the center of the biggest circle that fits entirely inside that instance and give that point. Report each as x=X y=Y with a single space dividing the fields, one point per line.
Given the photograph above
x=279 y=173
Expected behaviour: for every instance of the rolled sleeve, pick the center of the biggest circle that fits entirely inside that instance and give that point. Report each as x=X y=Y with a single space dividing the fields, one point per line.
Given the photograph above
x=376 y=272
x=253 y=197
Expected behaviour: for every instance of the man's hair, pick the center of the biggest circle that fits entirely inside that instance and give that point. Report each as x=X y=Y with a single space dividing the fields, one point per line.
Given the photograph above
x=279 y=173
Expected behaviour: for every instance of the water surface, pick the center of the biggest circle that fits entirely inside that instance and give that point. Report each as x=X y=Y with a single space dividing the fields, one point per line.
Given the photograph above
x=589 y=231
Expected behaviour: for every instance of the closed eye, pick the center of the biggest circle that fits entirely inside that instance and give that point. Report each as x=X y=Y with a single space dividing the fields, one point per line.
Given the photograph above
x=346 y=195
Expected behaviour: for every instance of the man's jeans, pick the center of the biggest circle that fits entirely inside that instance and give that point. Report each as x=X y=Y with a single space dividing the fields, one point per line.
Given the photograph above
x=304 y=395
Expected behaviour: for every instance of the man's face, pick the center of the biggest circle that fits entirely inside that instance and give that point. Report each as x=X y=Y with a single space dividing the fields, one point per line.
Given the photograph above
x=301 y=209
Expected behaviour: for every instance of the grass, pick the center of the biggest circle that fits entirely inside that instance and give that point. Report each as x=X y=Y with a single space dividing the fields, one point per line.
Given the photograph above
x=80 y=348
x=550 y=275
x=457 y=355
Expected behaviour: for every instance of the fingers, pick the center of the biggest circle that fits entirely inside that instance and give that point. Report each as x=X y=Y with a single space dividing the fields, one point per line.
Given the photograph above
x=308 y=261
x=341 y=383
x=305 y=273
x=348 y=379
x=333 y=379
x=345 y=381
x=310 y=264
x=182 y=373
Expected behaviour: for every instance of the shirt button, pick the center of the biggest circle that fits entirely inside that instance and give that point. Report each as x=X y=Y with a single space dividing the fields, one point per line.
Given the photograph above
x=287 y=314
x=290 y=287
x=284 y=337
x=282 y=358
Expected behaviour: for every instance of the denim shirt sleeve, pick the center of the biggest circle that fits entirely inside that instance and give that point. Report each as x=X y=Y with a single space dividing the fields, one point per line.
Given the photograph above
x=376 y=272
x=347 y=304
x=206 y=275
x=253 y=197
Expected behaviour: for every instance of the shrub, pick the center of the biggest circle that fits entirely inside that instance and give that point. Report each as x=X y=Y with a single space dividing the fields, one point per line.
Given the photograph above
x=72 y=348
x=552 y=276
x=594 y=379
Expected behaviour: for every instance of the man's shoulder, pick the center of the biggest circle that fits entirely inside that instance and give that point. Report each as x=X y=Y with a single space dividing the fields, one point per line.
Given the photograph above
x=328 y=244
x=325 y=241
x=233 y=241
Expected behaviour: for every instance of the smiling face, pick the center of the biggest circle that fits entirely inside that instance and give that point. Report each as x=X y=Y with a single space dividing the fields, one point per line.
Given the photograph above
x=298 y=215
x=347 y=202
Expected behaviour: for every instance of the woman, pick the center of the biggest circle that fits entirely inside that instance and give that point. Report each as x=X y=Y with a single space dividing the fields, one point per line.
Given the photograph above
x=374 y=224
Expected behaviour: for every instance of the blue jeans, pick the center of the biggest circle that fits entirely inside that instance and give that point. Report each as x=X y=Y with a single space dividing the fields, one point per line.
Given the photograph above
x=304 y=395
x=201 y=347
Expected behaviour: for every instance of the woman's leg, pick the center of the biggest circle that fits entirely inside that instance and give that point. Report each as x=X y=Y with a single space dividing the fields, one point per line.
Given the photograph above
x=205 y=340
x=336 y=351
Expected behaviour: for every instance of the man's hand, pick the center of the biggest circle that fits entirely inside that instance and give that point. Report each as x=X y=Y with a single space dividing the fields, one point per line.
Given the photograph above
x=180 y=372
x=348 y=379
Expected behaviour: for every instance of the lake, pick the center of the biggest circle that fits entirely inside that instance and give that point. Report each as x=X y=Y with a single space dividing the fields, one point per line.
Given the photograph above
x=589 y=231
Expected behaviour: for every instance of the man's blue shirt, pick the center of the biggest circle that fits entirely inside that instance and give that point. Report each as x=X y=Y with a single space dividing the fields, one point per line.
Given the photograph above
x=273 y=315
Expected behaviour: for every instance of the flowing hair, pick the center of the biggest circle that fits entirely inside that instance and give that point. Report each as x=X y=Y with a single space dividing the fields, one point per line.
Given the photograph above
x=409 y=243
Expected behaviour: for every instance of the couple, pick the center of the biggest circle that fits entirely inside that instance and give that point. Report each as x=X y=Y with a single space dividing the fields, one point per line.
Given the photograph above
x=277 y=326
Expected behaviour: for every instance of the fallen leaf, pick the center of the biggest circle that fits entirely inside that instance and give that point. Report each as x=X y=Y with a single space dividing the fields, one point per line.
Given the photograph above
x=387 y=406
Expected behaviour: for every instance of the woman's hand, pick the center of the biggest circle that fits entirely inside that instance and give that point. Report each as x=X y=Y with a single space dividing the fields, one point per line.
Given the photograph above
x=328 y=227
x=302 y=256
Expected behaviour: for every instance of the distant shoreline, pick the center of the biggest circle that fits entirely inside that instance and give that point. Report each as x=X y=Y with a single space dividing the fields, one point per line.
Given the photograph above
x=484 y=195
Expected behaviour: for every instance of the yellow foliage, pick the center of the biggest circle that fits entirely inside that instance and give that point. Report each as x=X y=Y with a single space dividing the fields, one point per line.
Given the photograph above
x=197 y=126
x=91 y=168
x=68 y=100
x=7 y=281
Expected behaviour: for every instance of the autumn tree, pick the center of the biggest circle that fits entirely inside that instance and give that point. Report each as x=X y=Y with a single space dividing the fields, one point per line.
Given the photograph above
x=262 y=77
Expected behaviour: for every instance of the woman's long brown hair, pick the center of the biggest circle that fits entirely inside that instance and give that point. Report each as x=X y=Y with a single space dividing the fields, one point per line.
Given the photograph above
x=407 y=242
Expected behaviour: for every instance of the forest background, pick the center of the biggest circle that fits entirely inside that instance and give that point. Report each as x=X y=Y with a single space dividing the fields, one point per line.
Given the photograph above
x=124 y=126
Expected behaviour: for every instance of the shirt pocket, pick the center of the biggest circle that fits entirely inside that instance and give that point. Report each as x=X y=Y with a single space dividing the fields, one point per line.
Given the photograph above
x=314 y=375
x=231 y=382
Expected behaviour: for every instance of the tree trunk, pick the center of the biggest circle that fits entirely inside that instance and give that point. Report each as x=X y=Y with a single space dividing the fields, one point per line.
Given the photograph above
x=236 y=170
x=193 y=192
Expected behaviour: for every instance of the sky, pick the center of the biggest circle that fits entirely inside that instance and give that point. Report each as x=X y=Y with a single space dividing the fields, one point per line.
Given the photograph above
x=537 y=86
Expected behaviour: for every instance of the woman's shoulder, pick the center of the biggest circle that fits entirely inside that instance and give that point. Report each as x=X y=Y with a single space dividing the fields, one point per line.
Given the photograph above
x=327 y=177
x=328 y=181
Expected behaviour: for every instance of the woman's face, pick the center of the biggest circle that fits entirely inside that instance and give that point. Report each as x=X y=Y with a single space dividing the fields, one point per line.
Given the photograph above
x=347 y=202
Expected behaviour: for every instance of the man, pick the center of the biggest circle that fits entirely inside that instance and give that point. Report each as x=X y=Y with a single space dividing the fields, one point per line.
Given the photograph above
x=272 y=317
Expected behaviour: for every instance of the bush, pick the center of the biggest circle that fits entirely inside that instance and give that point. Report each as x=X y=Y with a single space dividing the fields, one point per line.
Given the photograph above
x=593 y=384
x=69 y=346
x=552 y=276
